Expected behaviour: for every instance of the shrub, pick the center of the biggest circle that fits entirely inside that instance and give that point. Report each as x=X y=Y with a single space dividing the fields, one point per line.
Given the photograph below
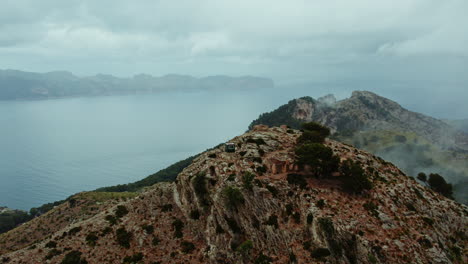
x=166 y=208
x=422 y=177
x=247 y=179
x=319 y=157
x=245 y=247
x=428 y=220
x=121 y=211
x=263 y=259
x=320 y=203
x=310 y=137
x=261 y=170
x=74 y=230
x=187 y=247
x=133 y=259
x=231 y=177
x=52 y=253
x=258 y=141
x=51 y=244
x=199 y=185
x=149 y=229
x=212 y=156
x=233 y=225
x=297 y=217
x=292 y=258
x=272 y=189
x=310 y=218
x=289 y=209
x=372 y=208
x=354 y=179
x=91 y=239
x=123 y=237
x=272 y=220
x=155 y=241
x=312 y=126
x=297 y=179
x=233 y=197
x=307 y=245
x=326 y=225
x=438 y=184
x=195 y=214
x=178 y=226
x=111 y=219
x=106 y=231
x=319 y=253
x=73 y=257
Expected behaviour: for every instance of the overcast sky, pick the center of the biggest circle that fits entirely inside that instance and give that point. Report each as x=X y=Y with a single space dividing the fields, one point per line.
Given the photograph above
x=410 y=45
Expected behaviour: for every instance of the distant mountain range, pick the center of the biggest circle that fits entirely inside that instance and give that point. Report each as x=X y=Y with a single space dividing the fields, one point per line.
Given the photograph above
x=414 y=142
x=19 y=85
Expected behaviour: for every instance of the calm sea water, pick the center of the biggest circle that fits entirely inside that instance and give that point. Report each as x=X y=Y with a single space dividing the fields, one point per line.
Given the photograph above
x=54 y=148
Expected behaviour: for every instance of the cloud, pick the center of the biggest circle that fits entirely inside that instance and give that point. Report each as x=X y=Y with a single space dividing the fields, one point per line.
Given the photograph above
x=281 y=39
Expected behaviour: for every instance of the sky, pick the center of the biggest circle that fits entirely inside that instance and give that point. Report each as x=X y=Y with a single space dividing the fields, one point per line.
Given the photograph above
x=408 y=49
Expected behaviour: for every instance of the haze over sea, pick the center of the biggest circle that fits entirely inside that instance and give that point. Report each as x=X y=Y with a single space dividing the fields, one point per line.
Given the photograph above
x=50 y=149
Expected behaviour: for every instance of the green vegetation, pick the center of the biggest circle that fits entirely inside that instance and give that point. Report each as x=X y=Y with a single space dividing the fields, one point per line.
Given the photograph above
x=13 y=218
x=310 y=218
x=247 y=179
x=73 y=257
x=233 y=197
x=149 y=229
x=121 y=211
x=319 y=253
x=354 y=179
x=51 y=244
x=297 y=179
x=187 y=247
x=372 y=208
x=233 y=225
x=258 y=141
x=281 y=116
x=313 y=133
x=199 y=185
x=91 y=239
x=166 y=175
x=272 y=189
x=318 y=157
x=263 y=259
x=74 y=230
x=320 y=203
x=195 y=214
x=178 y=226
x=245 y=247
x=111 y=219
x=123 y=237
x=136 y=258
x=52 y=253
x=272 y=220
x=438 y=184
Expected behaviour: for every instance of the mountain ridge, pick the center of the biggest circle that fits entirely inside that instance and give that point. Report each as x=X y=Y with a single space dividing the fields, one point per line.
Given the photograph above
x=257 y=206
x=413 y=141
x=19 y=85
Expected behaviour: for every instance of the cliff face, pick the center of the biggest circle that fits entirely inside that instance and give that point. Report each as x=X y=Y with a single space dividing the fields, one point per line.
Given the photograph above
x=242 y=207
x=365 y=111
x=414 y=142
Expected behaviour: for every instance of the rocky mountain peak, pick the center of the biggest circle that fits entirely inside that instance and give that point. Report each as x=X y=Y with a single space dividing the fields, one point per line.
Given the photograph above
x=256 y=205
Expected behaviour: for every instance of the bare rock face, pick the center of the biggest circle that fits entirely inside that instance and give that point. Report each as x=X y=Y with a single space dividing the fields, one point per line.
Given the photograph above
x=241 y=208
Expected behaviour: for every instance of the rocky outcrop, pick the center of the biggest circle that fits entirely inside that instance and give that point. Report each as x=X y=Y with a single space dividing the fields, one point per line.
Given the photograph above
x=243 y=207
